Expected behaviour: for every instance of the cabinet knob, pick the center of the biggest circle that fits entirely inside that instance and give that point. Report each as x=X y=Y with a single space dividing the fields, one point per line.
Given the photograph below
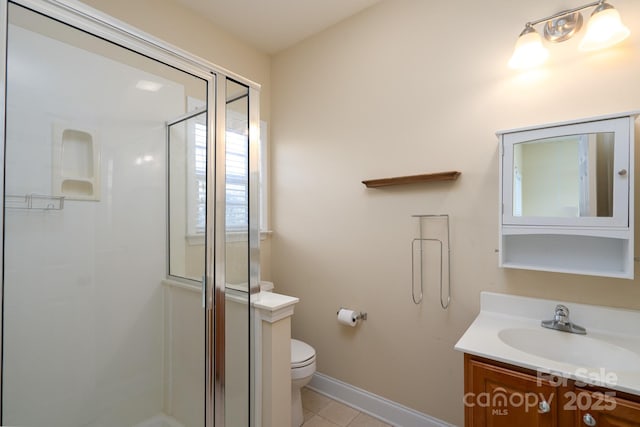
x=589 y=420
x=544 y=407
x=622 y=172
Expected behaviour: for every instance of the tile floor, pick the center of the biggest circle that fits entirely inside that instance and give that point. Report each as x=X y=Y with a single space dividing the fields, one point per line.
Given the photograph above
x=320 y=411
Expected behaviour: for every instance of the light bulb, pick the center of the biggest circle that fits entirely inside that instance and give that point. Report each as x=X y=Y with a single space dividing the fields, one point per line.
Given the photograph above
x=529 y=51
x=604 y=29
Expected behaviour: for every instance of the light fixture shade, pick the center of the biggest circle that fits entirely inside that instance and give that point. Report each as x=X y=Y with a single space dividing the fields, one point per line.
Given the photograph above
x=604 y=29
x=529 y=51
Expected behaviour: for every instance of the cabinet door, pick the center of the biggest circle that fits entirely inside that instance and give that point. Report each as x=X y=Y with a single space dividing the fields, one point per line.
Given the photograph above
x=594 y=409
x=500 y=397
x=574 y=174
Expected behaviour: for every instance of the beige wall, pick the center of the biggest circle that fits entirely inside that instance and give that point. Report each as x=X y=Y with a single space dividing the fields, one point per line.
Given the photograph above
x=408 y=87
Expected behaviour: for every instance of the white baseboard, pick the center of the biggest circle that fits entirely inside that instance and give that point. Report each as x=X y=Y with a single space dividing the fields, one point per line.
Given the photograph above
x=384 y=409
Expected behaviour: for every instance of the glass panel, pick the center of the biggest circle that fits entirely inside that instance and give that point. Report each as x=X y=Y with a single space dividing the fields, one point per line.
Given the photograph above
x=564 y=177
x=93 y=334
x=237 y=393
x=187 y=197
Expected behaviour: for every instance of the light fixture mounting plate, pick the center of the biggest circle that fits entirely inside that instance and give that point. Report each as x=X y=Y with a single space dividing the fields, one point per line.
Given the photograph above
x=563 y=28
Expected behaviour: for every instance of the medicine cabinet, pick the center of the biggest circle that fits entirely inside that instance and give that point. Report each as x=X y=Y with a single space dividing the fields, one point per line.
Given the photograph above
x=566 y=196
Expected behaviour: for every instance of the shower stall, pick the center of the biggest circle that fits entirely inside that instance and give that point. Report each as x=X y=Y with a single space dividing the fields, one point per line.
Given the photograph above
x=130 y=238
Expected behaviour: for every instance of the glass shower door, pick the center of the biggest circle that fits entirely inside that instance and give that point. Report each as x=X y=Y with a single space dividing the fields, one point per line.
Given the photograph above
x=93 y=333
x=238 y=324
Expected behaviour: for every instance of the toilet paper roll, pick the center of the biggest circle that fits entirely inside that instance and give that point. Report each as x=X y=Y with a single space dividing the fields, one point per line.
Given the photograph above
x=348 y=317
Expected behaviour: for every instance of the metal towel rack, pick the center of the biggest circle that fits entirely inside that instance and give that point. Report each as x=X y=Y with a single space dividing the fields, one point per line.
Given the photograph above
x=443 y=303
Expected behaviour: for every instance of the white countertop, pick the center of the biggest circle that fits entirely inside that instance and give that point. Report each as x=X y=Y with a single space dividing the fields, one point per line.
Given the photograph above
x=272 y=301
x=609 y=355
x=272 y=307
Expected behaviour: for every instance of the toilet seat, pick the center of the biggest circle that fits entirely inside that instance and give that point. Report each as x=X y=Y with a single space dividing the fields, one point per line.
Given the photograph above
x=302 y=354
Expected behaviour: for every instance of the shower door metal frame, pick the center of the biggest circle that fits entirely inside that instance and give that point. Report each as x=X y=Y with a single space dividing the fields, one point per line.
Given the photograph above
x=3 y=77
x=94 y=22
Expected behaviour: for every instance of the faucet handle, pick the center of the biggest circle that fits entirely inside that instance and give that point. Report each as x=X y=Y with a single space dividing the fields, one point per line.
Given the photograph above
x=561 y=314
x=560 y=321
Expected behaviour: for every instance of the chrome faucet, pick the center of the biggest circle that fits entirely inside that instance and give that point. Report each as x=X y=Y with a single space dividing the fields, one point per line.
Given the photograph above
x=561 y=322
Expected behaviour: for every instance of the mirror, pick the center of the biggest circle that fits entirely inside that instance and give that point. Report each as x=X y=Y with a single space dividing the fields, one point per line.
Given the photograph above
x=567 y=176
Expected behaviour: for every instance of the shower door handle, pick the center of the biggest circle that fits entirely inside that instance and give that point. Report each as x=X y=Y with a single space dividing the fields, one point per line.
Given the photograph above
x=204 y=291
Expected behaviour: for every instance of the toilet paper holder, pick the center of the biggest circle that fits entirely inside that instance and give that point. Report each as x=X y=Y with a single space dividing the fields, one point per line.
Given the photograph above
x=360 y=315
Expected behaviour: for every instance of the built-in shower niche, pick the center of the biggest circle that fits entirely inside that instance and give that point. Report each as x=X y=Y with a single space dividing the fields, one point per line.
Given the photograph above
x=76 y=163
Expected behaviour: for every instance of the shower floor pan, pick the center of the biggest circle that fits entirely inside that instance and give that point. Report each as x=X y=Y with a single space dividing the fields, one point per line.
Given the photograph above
x=160 y=420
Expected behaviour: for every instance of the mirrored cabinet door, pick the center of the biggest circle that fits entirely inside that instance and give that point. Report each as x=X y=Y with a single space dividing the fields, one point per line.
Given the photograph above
x=569 y=175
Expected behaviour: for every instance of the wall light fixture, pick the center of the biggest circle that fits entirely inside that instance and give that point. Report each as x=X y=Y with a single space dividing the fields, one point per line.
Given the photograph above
x=604 y=29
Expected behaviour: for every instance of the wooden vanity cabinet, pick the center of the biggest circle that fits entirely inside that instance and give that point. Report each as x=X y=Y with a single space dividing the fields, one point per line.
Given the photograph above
x=595 y=408
x=499 y=394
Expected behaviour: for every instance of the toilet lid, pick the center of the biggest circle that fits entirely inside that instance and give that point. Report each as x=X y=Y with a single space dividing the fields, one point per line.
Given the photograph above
x=302 y=354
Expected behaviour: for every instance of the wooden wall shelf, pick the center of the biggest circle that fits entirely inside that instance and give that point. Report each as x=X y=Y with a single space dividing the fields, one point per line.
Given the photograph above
x=412 y=179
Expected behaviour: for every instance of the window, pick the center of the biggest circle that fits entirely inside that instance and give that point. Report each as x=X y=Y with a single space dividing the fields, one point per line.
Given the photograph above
x=237 y=179
x=200 y=182
x=237 y=188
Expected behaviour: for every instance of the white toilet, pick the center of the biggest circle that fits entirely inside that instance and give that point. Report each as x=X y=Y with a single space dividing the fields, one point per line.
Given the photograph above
x=303 y=365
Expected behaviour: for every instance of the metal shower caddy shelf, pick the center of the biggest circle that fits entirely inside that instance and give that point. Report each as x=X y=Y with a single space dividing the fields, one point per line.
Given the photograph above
x=35 y=202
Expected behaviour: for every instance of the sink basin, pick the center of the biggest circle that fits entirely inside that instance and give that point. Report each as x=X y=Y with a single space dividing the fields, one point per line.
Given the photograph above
x=570 y=348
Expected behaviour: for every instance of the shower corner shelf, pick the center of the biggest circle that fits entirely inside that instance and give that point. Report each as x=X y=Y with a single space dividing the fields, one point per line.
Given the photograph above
x=412 y=179
x=34 y=201
x=75 y=162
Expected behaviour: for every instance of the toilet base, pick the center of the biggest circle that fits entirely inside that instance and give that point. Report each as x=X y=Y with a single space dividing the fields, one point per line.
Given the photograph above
x=297 y=417
x=303 y=366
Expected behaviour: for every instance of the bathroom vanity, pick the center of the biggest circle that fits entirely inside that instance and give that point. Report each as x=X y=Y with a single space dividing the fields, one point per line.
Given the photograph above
x=567 y=196
x=518 y=373
x=499 y=394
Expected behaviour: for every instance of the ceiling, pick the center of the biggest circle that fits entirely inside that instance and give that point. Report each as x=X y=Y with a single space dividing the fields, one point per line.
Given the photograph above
x=274 y=25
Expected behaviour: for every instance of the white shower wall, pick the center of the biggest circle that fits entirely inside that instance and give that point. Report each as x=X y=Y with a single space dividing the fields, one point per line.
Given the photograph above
x=83 y=326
